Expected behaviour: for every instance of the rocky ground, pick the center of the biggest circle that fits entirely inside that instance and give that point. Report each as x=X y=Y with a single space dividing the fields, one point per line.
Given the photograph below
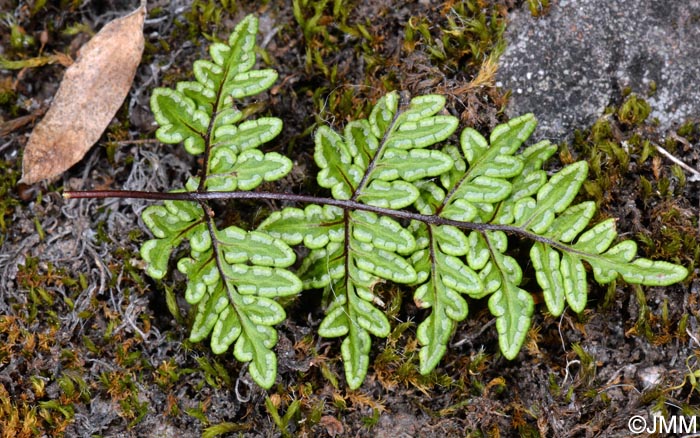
x=91 y=346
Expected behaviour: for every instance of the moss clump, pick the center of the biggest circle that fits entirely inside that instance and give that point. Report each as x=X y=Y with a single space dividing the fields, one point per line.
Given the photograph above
x=466 y=36
x=634 y=110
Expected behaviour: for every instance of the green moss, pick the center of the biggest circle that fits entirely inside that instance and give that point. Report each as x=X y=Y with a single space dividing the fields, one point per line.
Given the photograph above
x=215 y=373
x=538 y=8
x=313 y=417
x=588 y=367
x=372 y=420
x=283 y=422
x=56 y=414
x=642 y=326
x=123 y=389
x=198 y=413
x=469 y=35
x=8 y=95
x=554 y=387
x=609 y=298
x=688 y=130
x=205 y=17
x=223 y=429
x=30 y=411
x=601 y=130
x=634 y=110
x=653 y=395
x=8 y=202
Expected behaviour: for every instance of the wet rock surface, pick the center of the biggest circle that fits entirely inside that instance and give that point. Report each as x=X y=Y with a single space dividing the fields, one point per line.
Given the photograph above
x=568 y=65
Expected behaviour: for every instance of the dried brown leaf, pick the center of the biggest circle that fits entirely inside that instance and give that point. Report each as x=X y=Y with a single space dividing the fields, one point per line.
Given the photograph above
x=91 y=92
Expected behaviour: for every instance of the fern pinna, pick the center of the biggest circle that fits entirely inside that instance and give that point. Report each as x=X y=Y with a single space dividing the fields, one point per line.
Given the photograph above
x=233 y=275
x=408 y=206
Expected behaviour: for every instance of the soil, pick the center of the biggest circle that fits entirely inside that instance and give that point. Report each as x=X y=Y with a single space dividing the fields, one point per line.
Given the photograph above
x=91 y=346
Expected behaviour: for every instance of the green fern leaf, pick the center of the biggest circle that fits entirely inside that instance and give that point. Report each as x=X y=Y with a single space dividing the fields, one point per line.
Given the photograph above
x=513 y=308
x=561 y=272
x=385 y=150
x=247 y=135
x=511 y=305
x=334 y=158
x=451 y=240
x=620 y=259
x=441 y=293
x=382 y=115
x=233 y=283
x=483 y=189
x=571 y=222
x=478 y=252
x=394 y=195
x=435 y=331
x=184 y=114
x=179 y=119
x=529 y=181
x=250 y=83
x=547 y=264
x=170 y=223
x=552 y=198
x=323 y=266
x=411 y=165
x=597 y=239
x=422 y=133
x=382 y=232
x=314 y=226
x=474 y=191
x=234 y=276
x=200 y=114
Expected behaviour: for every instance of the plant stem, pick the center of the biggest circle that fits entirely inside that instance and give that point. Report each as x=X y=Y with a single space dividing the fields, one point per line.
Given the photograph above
x=306 y=199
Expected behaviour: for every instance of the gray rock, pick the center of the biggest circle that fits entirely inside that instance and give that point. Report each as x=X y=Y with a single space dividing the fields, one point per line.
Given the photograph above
x=569 y=65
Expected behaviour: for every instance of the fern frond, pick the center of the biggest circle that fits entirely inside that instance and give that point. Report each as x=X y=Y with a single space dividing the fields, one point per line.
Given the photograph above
x=472 y=191
x=459 y=246
x=375 y=162
x=233 y=275
x=202 y=115
x=233 y=281
x=540 y=208
x=470 y=199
